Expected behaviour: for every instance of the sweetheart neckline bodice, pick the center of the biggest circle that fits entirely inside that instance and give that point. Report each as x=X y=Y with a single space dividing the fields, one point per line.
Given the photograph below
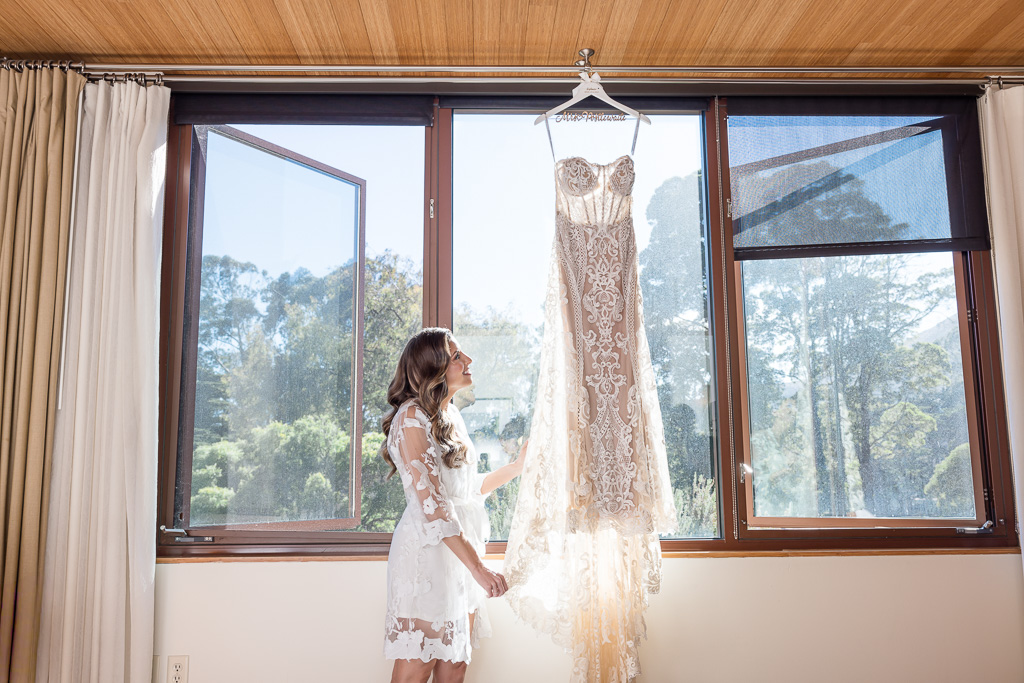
x=613 y=162
x=579 y=179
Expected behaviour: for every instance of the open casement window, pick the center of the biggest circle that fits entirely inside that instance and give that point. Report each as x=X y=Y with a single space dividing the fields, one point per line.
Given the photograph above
x=293 y=273
x=270 y=430
x=852 y=234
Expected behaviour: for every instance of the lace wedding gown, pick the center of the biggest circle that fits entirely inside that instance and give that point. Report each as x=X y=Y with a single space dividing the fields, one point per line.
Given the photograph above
x=431 y=594
x=583 y=551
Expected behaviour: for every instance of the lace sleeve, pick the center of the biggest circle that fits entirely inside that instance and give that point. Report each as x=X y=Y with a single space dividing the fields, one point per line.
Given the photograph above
x=418 y=468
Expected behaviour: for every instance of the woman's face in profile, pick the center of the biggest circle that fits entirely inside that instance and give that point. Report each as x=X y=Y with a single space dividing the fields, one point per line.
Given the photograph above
x=459 y=375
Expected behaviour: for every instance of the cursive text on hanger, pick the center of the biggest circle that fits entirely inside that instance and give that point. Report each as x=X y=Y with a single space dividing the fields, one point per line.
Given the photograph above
x=588 y=116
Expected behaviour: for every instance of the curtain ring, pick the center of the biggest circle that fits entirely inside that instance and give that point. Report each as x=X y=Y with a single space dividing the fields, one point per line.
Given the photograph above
x=999 y=80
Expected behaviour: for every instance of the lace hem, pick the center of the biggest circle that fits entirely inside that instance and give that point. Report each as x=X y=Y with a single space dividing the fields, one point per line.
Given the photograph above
x=419 y=639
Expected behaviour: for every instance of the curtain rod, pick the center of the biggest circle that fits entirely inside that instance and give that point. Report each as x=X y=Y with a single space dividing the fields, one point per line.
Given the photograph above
x=483 y=69
x=180 y=73
x=618 y=81
x=19 y=65
x=291 y=74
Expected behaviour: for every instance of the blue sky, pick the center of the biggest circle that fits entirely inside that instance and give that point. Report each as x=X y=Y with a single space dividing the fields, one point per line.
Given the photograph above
x=268 y=211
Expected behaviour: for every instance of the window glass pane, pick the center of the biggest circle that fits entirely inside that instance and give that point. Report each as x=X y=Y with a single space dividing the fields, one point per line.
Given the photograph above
x=813 y=180
x=856 y=388
x=503 y=231
x=273 y=417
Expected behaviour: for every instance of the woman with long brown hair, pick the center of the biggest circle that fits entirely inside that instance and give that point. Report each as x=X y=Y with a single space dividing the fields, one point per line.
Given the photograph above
x=437 y=582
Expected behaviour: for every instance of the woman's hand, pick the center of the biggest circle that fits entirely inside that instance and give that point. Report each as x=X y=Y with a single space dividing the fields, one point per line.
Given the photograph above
x=504 y=474
x=492 y=582
x=521 y=459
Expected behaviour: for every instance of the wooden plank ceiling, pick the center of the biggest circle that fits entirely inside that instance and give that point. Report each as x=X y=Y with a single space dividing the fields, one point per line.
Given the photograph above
x=763 y=33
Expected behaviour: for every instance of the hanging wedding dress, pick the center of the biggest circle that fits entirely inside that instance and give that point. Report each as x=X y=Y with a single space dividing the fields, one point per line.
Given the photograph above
x=583 y=551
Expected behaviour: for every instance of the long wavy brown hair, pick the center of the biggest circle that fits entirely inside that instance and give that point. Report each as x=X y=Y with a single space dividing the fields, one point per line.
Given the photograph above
x=421 y=376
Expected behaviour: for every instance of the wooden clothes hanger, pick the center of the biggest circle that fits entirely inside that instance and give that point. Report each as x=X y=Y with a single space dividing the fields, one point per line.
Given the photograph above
x=590 y=87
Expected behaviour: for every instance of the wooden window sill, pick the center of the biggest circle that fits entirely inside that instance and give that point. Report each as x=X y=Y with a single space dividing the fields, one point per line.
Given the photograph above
x=697 y=554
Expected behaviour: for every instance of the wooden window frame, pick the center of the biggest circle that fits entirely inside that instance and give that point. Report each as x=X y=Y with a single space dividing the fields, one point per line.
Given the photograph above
x=985 y=414
x=974 y=278
x=182 y=244
x=188 y=389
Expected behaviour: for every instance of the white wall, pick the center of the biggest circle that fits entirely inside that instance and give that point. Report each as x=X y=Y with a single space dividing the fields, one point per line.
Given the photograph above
x=906 y=618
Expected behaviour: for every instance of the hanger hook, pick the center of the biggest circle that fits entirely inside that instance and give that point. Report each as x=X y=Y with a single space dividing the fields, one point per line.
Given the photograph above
x=584 y=63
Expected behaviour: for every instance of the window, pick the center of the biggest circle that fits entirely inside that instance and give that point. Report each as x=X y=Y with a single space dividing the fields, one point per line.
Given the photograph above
x=302 y=279
x=849 y=230
x=277 y=428
x=817 y=296
x=855 y=391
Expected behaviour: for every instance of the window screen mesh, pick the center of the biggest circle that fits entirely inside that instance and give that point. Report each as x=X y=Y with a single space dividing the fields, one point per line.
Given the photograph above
x=805 y=184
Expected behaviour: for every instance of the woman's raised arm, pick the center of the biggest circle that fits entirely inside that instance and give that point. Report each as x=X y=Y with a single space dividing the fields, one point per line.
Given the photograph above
x=505 y=474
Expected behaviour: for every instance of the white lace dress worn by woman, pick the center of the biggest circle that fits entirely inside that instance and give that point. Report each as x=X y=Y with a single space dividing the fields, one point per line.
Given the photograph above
x=431 y=594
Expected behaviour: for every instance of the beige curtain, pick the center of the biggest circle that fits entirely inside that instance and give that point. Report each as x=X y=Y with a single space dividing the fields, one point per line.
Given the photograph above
x=38 y=120
x=1002 y=118
x=98 y=590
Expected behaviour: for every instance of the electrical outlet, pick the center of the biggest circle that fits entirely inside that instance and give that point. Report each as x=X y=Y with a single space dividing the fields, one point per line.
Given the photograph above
x=177 y=668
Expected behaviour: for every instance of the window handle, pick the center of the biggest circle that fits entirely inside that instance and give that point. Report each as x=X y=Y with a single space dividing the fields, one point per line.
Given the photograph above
x=985 y=528
x=745 y=469
x=172 y=532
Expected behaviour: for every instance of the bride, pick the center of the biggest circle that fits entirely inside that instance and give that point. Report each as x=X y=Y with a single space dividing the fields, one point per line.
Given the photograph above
x=437 y=581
